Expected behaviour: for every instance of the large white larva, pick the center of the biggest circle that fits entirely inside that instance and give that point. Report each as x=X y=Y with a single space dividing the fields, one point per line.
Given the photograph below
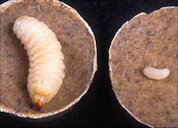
x=46 y=72
x=154 y=73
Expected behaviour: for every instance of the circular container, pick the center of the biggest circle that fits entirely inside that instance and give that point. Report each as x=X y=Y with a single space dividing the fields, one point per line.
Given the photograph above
x=78 y=46
x=147 y=40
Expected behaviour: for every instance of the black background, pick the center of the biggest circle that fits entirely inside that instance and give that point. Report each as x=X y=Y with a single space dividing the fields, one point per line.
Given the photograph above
x=98 y=107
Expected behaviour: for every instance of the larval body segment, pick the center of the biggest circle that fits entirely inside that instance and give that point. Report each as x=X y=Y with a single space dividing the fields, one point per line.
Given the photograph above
x=154 y=73
x=46 y=72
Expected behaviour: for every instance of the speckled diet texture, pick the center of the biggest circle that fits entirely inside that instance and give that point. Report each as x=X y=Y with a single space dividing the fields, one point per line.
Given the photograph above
x=77 y=47
x=147 y=40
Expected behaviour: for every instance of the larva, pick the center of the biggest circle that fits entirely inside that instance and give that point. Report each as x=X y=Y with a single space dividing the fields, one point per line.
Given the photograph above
x=154 y=73
x=46 y=71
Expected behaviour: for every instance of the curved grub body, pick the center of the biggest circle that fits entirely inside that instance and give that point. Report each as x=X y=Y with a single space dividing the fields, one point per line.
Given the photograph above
x=46 y=72
x=154 y=73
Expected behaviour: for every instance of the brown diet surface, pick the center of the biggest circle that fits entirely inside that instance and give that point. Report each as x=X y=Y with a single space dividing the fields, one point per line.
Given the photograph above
x=147 y=40
x=78 y=47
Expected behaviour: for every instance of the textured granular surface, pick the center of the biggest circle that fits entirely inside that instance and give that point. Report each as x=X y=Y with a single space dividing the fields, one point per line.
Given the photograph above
x=77 y=46
x=147 y=40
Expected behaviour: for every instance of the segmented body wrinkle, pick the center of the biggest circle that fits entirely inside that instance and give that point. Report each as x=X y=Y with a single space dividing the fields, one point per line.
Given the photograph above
x=46 y=71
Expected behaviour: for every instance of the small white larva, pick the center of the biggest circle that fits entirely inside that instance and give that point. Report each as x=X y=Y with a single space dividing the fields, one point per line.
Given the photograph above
x=154 y=73
x=46 y=71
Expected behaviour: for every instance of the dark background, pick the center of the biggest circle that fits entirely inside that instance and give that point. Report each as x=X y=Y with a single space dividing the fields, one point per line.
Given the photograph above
x=98 y=107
